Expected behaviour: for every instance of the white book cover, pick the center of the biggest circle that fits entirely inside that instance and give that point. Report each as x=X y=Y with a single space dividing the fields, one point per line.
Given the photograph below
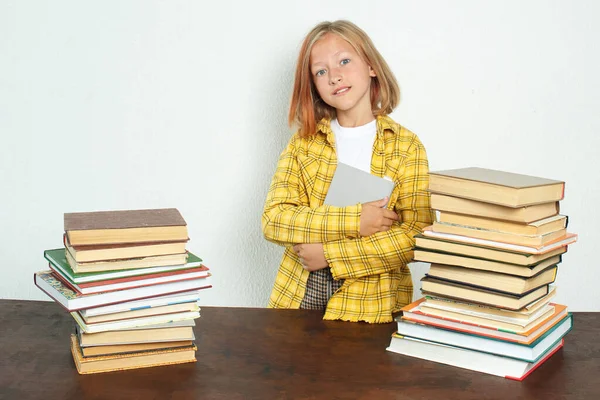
x=351 y=185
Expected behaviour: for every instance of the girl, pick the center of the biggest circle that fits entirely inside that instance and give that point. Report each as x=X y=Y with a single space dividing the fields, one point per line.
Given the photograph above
x=350 y=261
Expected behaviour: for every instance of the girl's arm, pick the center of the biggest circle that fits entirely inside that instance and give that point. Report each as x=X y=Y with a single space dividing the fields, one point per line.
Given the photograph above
x=287 y=220
x=386 y=251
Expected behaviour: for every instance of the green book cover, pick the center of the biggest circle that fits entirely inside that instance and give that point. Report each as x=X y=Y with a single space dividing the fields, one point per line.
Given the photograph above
x=58 y=260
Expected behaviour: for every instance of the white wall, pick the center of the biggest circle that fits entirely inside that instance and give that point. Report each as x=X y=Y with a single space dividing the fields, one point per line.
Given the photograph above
x=143 y=104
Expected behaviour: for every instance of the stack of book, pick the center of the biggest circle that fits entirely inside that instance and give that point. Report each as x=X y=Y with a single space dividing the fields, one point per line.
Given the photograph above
x=131 y=287
x=494 y=257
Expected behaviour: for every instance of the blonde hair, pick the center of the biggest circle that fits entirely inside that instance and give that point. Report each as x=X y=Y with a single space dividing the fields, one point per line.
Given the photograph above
x=307 y=108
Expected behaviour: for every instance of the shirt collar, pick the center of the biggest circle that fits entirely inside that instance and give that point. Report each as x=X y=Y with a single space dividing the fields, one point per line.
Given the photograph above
x=383 y=123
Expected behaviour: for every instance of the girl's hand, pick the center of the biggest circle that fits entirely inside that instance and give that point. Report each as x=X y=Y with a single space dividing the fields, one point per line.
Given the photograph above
x=374 y=218
x=312 y=256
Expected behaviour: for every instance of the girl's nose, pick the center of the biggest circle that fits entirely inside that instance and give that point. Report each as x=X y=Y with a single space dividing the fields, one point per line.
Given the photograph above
x=335 y=78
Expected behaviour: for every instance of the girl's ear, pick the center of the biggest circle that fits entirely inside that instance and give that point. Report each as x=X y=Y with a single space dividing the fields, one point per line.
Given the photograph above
x=372 y=72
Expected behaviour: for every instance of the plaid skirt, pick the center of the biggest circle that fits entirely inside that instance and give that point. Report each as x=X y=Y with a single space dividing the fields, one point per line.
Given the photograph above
x=319 y=289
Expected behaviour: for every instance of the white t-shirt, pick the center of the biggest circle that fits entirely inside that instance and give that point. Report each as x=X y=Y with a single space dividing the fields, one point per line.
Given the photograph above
x=354 y=146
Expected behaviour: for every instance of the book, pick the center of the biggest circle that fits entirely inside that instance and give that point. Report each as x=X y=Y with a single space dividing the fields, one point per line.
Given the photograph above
x=129 y=263
x=430 y=285
x=133 y=322
x=143 y=304
x=58 y=290
x=527 y=352
x=527 y=271
x=495 y=235
x=468 y=359
x=159 y=334
x=512 y=284
x=106 y=252
x=568 y=239
x=351 y=185
x=492 y=321
x=119 y=362
x=484 y=252
x=112 y=285
x=58 y=262
x=540 y=227
x=412 y=312
x=525 y=214
x=132 y=348
x=141 y=312
x=125 y=226
x=526 y=313
x=497 y=187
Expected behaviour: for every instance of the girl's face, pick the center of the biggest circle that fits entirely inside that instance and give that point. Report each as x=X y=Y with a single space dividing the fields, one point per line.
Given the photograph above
x=342 y=78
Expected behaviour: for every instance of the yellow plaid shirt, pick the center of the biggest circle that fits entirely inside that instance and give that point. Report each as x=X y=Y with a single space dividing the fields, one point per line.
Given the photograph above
x=377 y=280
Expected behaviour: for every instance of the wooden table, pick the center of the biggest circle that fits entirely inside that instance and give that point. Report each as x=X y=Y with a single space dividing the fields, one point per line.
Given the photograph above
x=246 y=353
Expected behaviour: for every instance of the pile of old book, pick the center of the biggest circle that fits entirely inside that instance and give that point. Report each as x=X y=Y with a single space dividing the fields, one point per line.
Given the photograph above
x=131 y=287
x=494 y=255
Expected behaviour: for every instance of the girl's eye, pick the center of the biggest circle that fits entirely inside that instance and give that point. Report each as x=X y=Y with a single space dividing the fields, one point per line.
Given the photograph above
x=345 y=61
x=320 y=72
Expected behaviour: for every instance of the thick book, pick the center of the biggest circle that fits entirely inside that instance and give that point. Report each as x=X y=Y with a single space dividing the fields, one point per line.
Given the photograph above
x=495 y=235
x=107 y=252
x=565 y=240
x=485 y=327
x=119 y=362
x=483 y=251
x=125 y=226
x=525 y=214
x=469 y=359
x=58 y=262
x=351 y=185
x=439 y=257
x=526 y=352
x=57 y=289
x=174 y=332
x=497 y=187
x=132 y=348
x=480 y=295
x=504 y=283
x=535 y=228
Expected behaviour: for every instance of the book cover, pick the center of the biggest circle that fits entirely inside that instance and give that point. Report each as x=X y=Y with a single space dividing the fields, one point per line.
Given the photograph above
x=469 y=359
x=568 y=239
x=351 y=185
x=530 y=352
x=496 y=177
x=58 y=261
x=123 y=219
x=59 y=290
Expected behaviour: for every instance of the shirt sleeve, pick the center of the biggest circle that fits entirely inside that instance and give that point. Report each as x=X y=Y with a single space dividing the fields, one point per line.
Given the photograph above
x=385 y=251
x=287 y=218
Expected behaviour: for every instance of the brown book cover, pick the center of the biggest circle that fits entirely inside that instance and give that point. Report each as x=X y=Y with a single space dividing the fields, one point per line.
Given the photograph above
x=496 y=187
x=123 y=219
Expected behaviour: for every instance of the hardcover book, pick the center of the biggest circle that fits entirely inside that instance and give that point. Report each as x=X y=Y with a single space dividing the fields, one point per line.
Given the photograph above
x=497 y=187
x=125 y=226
